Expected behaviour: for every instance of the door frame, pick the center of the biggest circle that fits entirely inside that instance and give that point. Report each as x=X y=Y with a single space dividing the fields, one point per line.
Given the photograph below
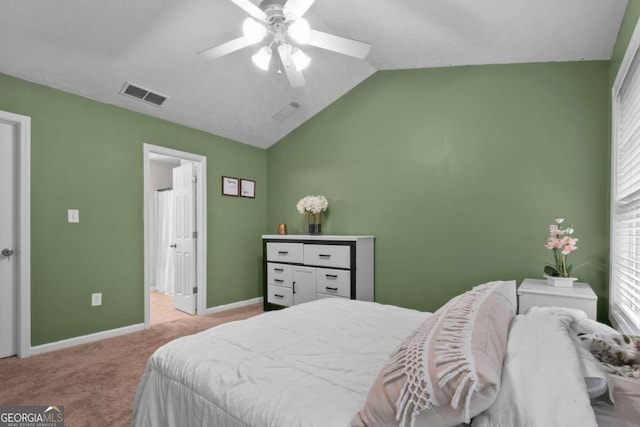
x=23 y=244
x=201 y=221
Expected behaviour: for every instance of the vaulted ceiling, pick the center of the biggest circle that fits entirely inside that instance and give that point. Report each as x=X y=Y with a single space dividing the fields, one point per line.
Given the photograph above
x=92 y=48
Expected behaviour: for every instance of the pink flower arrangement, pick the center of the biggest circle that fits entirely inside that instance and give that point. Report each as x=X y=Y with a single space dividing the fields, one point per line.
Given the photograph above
x=562 y=243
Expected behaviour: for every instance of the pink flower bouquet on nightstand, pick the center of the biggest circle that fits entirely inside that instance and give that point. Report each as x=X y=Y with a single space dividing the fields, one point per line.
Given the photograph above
x=562 y=243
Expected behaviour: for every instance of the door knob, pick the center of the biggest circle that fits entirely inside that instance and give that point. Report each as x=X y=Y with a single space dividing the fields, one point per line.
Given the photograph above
x=7 y=252
x=175 y=245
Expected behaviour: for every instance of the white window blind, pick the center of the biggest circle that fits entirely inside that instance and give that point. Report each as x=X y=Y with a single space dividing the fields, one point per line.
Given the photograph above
x=625 y=210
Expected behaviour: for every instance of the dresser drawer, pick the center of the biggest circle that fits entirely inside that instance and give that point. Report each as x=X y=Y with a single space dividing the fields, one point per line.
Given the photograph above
x=323 y=296
x=328 y=255
x=285 y=252
x=331 y=276
x=333 y=282
x=279 y=274
x=280 y=295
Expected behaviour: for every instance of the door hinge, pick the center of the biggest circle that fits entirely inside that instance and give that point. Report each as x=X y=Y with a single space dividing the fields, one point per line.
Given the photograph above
x=195 y=289
x=194 y=178
x=195 y=234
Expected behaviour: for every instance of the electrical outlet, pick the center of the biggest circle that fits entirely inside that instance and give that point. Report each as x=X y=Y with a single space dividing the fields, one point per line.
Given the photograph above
x=96 y=299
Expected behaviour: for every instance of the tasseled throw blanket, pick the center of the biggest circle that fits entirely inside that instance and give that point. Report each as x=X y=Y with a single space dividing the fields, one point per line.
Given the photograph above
x=454 y=359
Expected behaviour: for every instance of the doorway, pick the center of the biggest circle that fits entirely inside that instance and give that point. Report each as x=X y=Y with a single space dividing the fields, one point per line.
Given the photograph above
x=15 y=244
x=175 y=234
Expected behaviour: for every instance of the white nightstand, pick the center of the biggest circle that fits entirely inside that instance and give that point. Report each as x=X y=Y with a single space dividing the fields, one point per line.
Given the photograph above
x=537 y=293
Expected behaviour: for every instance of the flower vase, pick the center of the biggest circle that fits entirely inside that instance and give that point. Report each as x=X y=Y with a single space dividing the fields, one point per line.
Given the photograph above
x=560 y=282
x=315 y=223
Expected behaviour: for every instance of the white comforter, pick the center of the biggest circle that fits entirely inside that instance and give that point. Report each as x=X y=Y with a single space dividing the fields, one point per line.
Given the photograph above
x=307 y=365
x=543 y=374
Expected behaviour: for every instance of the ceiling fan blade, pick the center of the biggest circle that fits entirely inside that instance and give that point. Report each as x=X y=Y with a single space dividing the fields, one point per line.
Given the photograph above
x=296 y=79
x=251 y=9
x=225 y=48
x=294 y=9
x=339 y=44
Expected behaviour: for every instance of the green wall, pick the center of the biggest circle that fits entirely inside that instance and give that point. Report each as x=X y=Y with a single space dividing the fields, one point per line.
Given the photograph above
x=457 y=172
x=624 y=36
x=88 y=155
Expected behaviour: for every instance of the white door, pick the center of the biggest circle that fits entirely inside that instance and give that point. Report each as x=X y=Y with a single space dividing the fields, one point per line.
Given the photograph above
x=184 y=190
x=8 y=238
x=304 y=284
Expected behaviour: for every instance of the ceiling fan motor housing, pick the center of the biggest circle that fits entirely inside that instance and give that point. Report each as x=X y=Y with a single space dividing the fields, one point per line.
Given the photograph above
x=265 y=4
x=273 y=10
x=276 y=20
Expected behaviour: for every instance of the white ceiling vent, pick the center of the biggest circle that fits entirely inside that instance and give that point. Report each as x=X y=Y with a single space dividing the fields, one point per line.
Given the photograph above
x=287 y=111
x=143 y=94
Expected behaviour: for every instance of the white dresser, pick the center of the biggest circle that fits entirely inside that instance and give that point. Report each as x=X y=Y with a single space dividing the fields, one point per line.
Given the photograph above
x=537 y=293
x=301 y=268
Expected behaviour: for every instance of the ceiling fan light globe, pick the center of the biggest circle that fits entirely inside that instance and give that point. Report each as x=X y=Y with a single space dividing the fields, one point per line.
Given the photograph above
x=262 y=58
x=300 y=31
x=253 y=31
x=300 y=60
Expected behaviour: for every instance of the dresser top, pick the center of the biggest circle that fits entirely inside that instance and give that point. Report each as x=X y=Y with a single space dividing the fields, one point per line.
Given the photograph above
x=313 y=237
x=541 y=287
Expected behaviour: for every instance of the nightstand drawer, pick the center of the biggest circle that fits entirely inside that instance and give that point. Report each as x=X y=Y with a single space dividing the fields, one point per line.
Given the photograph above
x=285 y=252
x=525 y=302
x=328 y=255
x=537 y=293
x=280 y=295
x=279 y=274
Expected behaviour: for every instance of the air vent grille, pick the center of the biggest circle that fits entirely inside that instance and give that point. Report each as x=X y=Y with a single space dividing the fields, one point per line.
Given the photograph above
x=154 y=98
x=142 y=94
x=135 y=91
x=286 y=111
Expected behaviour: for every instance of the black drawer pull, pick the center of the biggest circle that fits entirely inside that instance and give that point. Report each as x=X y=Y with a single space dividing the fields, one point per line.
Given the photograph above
x=278 y=295
x=278 y=280
x=329 y=288
x=283 y=252
x=279 y=270
x=324 y=255
x=331 y=276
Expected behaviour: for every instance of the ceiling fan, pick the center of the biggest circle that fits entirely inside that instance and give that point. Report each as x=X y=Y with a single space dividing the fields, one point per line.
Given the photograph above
x=283 y=20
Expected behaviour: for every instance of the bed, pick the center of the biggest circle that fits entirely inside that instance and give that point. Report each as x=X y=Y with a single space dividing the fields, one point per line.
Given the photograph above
x=338 y=362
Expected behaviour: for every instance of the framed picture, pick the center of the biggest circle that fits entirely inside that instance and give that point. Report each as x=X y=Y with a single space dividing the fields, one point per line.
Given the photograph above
x=229 y=186
x=247 y=188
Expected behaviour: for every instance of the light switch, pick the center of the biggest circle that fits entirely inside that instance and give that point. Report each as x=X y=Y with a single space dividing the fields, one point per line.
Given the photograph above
x=73 y=215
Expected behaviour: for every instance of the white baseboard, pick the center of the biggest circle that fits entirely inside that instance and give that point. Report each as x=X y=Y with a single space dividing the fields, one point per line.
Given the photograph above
x=238 y=304
x=59 y=345
x=84 y=339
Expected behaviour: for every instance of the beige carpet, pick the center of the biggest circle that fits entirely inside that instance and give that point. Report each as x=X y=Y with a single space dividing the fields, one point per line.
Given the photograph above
x=163 y=310
x=96 y=382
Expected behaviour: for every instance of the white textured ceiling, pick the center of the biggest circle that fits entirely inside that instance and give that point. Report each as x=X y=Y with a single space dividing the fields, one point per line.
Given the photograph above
x=91 y=48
